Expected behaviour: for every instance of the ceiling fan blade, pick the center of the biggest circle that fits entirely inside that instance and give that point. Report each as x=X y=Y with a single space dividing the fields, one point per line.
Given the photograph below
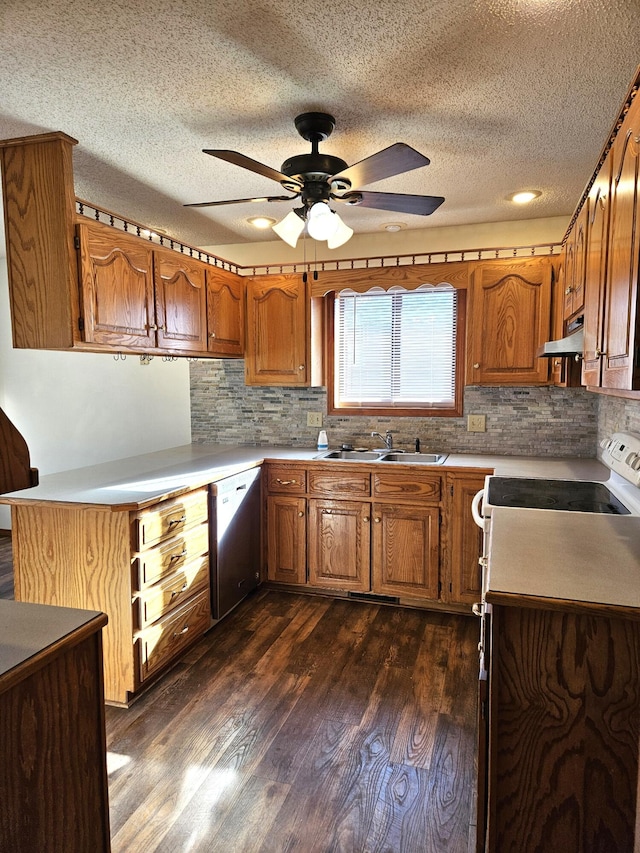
x=242 y=200
x=252 y=165
x=394 y=160
x=422 y=205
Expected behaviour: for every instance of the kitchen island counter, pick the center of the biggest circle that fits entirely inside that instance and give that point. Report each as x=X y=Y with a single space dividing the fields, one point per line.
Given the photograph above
x=587 y=560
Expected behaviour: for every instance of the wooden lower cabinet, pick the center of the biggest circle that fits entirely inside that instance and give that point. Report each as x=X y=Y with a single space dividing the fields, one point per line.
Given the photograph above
x=464 y=538
x=140 y=568
x=564 y=730
x=286 y=539
x=339 y=544
x=361 y=528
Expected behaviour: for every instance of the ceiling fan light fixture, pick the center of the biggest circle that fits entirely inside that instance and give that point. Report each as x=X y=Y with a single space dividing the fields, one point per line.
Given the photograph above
x=341 y=235
x=291 y=227
x=322 y=222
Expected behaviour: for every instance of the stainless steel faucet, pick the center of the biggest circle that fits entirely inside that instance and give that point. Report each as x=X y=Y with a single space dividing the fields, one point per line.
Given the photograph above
x=387 y=438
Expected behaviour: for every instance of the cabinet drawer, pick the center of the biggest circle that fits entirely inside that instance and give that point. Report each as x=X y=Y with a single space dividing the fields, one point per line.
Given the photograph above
x=340 y=484
x=154 y=602
x=161 y=642
x=168 y=518
x=156 y=563
x=286 y=479
x=399 y=485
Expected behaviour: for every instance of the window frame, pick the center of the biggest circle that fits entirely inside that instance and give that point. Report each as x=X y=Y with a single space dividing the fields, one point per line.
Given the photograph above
x=454 y=411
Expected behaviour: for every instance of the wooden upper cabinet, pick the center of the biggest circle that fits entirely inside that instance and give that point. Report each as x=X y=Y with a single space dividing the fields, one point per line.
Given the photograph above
x=510 y=319
x=225 y=313
x=576 y=252
x=596 y=273
x=181 y=306
x=278 y=334
x=116 y=288
x=621 y=306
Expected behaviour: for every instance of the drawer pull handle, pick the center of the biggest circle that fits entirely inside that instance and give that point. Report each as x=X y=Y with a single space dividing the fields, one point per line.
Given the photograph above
x=180 y=633
x=287 y=482
x=182 y=589
x=180 y=520
x=178 y=556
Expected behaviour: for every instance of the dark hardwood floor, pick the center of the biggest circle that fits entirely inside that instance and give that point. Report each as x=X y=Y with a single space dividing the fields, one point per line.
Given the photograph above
x=302 y=724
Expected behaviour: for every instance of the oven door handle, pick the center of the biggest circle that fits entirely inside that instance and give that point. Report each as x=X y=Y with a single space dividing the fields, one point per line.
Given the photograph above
x=475 y=509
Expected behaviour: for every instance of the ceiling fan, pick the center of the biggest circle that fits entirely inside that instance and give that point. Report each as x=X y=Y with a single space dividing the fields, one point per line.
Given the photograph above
x=318 y=178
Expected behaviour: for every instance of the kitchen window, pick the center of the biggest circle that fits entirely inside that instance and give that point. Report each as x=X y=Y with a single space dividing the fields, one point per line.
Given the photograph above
x=397 y=353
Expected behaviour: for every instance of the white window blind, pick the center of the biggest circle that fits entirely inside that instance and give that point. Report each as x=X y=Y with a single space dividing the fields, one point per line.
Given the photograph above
x=396 y=349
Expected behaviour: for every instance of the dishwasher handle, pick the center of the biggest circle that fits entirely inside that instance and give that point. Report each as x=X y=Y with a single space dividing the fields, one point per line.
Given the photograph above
x=475 y=508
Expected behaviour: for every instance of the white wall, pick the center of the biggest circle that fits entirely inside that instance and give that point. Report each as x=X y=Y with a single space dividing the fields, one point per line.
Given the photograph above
x=522 y=232
x=77 y=409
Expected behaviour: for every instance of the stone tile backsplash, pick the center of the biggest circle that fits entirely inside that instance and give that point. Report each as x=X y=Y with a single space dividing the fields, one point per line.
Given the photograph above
x=544 y=421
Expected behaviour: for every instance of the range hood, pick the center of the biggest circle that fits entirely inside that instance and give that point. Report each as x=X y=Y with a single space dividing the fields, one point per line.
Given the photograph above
x=573 y=344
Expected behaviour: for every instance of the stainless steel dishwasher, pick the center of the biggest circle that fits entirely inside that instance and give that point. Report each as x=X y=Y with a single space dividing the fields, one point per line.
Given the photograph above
x=235 y=540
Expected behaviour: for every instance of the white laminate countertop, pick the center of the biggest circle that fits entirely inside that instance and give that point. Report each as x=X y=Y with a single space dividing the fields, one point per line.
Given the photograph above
x=571 y=556
x=139 y=481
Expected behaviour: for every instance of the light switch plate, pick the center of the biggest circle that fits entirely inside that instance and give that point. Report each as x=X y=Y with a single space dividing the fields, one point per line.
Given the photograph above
x=476 y=423
x=314 y=419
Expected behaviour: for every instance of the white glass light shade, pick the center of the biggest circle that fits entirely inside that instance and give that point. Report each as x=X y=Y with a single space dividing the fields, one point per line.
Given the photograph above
x=289 y=228
x=340 y=235
x=321 y=221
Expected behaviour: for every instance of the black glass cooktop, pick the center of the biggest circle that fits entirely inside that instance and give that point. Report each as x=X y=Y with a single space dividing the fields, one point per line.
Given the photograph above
x=571 y=495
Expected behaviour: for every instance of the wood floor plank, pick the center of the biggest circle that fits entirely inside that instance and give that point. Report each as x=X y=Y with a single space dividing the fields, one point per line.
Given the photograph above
x=400 y=819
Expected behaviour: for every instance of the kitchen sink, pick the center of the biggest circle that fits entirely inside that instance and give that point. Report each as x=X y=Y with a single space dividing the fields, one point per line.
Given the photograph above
x=352 y=454
x=415 y=458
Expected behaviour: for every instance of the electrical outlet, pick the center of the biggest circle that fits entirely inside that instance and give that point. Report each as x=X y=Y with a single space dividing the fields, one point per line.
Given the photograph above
x=314 y=419
x=476 y=423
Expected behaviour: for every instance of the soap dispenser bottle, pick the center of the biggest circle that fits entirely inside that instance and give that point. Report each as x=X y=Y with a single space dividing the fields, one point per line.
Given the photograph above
x=323 y=443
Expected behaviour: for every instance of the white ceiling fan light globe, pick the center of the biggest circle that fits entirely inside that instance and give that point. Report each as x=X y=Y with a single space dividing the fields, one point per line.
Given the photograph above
x=289 y=228
x=341 y=235
x=321 y=221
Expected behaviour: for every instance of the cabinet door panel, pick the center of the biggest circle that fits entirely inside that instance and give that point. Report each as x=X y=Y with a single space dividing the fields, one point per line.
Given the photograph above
x=622 y=278
x=339 y=540
x=464 y=539
x=181 y=303
x=595 y=273
x=225 y=313
x=406 y=544
x=511 y=318
x=116 y=280
x=286 y=539
x=277 y=332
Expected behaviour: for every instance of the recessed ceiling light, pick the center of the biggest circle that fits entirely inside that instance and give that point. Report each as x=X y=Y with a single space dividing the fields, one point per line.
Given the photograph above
x=525 y=196
x=261 y=221
x=393 y=226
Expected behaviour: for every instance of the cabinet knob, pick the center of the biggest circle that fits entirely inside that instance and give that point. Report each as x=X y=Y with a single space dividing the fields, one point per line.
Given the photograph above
x=568 y=290
x=212 y=335
x=366 y=519
x=599 y=352
x=300 y=514
x=301 y=367
x=377 y=520
x=476 y=365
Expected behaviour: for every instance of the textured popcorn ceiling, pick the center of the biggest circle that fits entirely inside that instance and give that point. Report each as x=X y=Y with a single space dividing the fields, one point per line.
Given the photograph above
x=500 y=94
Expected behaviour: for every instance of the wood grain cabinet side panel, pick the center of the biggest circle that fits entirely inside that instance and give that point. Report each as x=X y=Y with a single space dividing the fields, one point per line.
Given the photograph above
x=80 y=557
x=39 y=203
x=565 y=731
x=464 y=539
